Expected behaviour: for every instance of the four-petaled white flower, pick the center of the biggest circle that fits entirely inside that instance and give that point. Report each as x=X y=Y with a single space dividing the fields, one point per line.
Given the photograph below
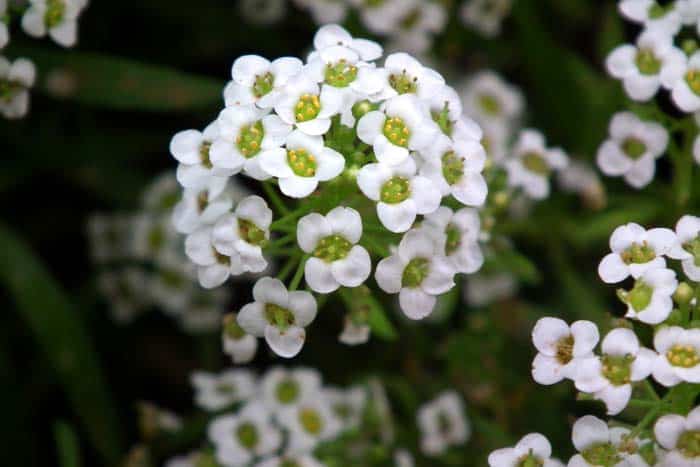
x=237 y=343
x=632 y=149
x=348 y=405
x=192 y=149
x=243 y=233
x=532 y=164
x=635 y=250
x=491 y=101
x=650 y=300
x=213 y=268
x=304 y=163
x=442 y=424
x=279 y=316
x=687 y=246
x=561 y=348
x=404 y=74
x=646 y=66
x=609 y=377
x=680 y=436
x=307 y=106
x=456 y=235
x=532 y=449
x=652 y=15
x=418 y=272
x=214 y=392
x=679 y=356
x=331 y=240
x=240 y=438
x=331 y=35
x=16 y=78
x=201 y=206
x=400 y=194
x=258 y=81
x=282 y=388
x=57 y=18
x=309 y=423
x=599 y=444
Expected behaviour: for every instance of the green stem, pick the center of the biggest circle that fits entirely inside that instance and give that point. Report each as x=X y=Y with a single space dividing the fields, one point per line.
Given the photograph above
x=290 y=237
x=297 y=276
x=651 y=391
x=644 y=422
x=287 y=269
x=275 y=198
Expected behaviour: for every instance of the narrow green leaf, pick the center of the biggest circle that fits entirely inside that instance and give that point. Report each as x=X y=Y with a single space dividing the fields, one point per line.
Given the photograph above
x=118 y=83
x=67 y=445
x=63 y=337
x=515 y=263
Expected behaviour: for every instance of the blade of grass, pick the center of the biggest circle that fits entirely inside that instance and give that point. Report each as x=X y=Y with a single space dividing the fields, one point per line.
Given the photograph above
x=67 y=445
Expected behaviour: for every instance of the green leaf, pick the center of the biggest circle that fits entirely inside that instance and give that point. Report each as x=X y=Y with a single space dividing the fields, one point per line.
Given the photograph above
x=67 y=445
x=118 y=83
x=515 y=263
x=62 y=335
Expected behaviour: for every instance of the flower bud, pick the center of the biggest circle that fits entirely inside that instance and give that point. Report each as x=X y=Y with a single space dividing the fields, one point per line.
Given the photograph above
x=683 y=294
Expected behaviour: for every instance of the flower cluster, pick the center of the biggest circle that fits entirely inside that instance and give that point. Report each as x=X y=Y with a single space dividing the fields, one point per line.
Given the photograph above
x=143 y=264
x=621 y=374
x=286 y=416
x=365 y=156
x=663 y=58
x=57 y=19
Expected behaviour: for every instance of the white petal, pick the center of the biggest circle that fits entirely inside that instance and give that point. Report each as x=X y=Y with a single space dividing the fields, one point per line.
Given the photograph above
x=319 y=276
x=397 y=217
x=275 y=163
x=586 y=337
x=415 y=303
x=589 y=430
x=286 y=344
x=612 y=269
x=354 y=269
x=547 y=332
x=269 y=290
x=66 y=33
x=303 y=305
x=330 y=164
x=546 y=370
x=345 y=222
x=620 y=341
x=389 y=273
x=311 y=229
x=298 y=187
x=370 y=126
x=668 y=429
x=246 y=67
x=252 y=319
x=616 y=398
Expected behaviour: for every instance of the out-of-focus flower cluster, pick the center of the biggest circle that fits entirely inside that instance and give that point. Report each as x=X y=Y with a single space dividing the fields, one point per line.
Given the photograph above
x=288 y=417
x=57 y=19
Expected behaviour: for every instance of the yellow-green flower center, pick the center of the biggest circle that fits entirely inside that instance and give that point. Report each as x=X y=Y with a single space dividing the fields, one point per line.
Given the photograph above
x=156 y=238
x=341 y=74
x=693 y=247
x=442 y=118
x=454 y=239
x=251 y=233
x=289 y=463
x=9 y=89
x=311 y=421
x=565 y=349
x=634 y=147
x=535 y=162
x=396 y=131
x=395 y=190
x=402 y=83
x=490 y=104
x=689 y=444
x=638 y=253
x=204 y=154
x=205 y=460
x=202 y=200
x=617 y=368
x=332 y=248
x=277 y=316
x=530 y=460
x=307 y=108
x=639 y=297
x=263 y=84
x=657 y=11
x=247 y=435
x=221 y=259
x=250 y=138
x=601 y=454
x=55 y=12
x=301 y=162
x=692 y=77
x=232 y=329
x=415 y=271
x=647 y=63
x=226 y=388
x=452 y=167
x=684 y=356
x=287 y=391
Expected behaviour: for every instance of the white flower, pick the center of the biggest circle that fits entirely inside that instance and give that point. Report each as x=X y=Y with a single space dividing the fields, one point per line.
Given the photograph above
x=324 y=11
x=486 y=16
x=532 y=449
x=420 y=20
x=403 y=74
x=532 y=163
x=242 y=234
x=598 y=445
x=455 y=168
x=214 y=392
x=643 y=68
x=399 y=193
x=308 y=107
x=445 y=107
x=680 y=436
x=495 y=141
x=491 y=100
x=258 y=81
x=442 y=424
x=57 y=18
x=282 y=388
x=15 y=80
x=687 y=247
x=303 y=460
x=417 y=272
x=354 y=333
x=304 y=163
x=262 y=12
x=245 y=134
x=632 y=149
x=213 y=268
x=650 y=300
x=635 y=251
x=403 y=458
x=238 y=344
x=404 y=125
x=332 y=35
x=201 y=206
x=152 y=236
x=309 y=423
x=191 y=148
x=561 y=348
x=348 y=405
x=689 y=11
x=609 y=377
x=380 y=17
x=651 y=14
x=278 y=315
x=456 y=235
x=172 y=283
x=679 y=356
x=240 y=438
x=336 y=258
x=686 y=84
x=4 y=20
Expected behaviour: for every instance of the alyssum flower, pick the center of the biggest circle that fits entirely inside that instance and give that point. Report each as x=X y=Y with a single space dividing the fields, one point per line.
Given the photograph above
x=442 y=424
x=532 y=450
x=679 y=356
x=650 y=300
x=16 y=78
x=457 y=235
x=687 y=246
x=681 y=436
x=258 y=81
x=532 y=164
x=57 y=18
x=215 y=392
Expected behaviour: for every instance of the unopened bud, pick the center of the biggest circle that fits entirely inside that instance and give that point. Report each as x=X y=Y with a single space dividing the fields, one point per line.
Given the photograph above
x=683 y=294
